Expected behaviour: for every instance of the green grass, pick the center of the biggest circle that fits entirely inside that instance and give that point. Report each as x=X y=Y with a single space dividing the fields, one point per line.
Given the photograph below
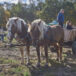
x=15 y=68
x=6 y=39
x=6 y=61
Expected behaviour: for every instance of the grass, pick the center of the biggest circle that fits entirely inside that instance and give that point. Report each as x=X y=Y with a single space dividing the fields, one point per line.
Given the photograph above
x=6 y=61
x=14 y=69
x=6 y=39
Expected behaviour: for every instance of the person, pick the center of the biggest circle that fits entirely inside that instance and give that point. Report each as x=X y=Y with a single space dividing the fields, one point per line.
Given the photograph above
x=69 y=25
x=60 y=17
x=2 y=34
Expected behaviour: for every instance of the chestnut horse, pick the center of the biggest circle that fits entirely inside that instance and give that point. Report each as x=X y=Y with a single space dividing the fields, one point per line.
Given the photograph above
x=17 y=28
x=44 y=35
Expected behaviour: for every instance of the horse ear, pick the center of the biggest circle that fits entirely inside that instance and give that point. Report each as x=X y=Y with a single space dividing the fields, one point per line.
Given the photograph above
x=16 y=20
x=39 y=23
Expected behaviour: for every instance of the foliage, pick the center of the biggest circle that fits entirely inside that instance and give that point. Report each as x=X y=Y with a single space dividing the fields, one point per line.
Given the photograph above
x=47 y=11
x=52 y=7
x=13 y=68
x=2 y=17
x=50 y=10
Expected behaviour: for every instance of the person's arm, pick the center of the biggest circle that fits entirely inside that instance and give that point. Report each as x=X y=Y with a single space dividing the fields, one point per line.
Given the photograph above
x=59 y=17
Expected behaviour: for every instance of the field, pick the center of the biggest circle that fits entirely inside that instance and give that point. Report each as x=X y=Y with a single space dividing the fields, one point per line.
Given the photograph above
x=10 y=63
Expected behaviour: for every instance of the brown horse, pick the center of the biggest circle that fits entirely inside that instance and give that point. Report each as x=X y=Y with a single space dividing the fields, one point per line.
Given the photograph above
x=43 y=35
x=17 y=28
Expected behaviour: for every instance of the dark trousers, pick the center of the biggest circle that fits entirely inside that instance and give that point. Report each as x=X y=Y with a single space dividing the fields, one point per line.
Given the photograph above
x=1 y=37
x=61 y=24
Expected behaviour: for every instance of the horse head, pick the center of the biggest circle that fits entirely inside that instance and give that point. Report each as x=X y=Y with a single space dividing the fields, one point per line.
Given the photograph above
x=11 y=29
x=36 y=30
x=17 y=28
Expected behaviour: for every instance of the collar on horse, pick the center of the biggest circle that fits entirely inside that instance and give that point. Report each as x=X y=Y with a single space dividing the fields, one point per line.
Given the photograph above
x=26 y=36
x=23 y=36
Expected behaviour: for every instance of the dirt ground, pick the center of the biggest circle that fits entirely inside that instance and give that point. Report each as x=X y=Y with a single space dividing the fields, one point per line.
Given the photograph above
x=66 y=68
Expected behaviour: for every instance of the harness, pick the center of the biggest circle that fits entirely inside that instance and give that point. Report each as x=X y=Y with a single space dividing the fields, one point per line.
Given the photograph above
x=25 y=37
x=45 y=34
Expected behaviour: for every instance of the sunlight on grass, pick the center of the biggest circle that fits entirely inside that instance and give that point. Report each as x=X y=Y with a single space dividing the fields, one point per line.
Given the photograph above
x=15 y=69
x=6 y=39
x=49 y=74
x=5 y=61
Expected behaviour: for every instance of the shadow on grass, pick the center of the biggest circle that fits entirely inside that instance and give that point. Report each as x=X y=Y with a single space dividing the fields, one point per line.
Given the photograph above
x=64 y=68
x=46 y=71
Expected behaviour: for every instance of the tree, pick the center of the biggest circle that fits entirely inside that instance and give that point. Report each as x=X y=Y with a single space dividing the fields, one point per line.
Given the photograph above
x=69 y=11
x=50 y=10
x=7 y=14
x=47 y=10
x=2 y=16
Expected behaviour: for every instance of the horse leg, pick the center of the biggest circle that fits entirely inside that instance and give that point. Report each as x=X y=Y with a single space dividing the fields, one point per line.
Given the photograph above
x=46 y=54
x=60 y=53
x=38 y=55
x=28 y=53
x=22 y=55
x=41 y=53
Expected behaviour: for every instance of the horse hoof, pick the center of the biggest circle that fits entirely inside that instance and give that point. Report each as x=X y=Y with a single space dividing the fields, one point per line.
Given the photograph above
x=38 y=65
x=58 y=60
x=61 y=61
x=46 y=65
x=22 y=63
x=28 y=63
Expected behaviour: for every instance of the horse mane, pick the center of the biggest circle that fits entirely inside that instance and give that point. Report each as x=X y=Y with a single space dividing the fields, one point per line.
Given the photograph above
x=39 y=22
x=16 y=21
x=10 y=19
x=41 y=25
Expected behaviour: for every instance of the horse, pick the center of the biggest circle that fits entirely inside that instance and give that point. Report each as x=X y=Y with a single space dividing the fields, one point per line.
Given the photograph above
x=44 y=36
x=17 y=28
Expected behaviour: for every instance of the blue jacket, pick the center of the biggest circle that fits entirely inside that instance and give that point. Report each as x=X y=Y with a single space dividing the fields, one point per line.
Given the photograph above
x=60 y=17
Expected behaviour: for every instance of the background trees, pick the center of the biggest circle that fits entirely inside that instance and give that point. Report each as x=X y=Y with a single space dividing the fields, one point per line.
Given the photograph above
x=46 y=10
